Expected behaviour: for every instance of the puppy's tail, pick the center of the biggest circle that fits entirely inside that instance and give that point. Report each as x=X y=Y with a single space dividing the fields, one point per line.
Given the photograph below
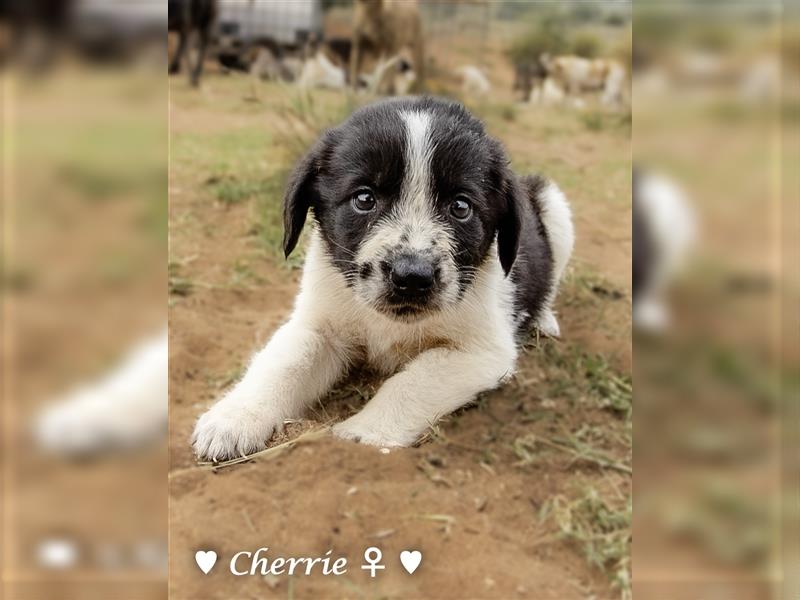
x=555 y=215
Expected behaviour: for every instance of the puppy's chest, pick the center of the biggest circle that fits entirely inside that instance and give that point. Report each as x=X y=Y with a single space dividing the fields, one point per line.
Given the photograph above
x=389 y=351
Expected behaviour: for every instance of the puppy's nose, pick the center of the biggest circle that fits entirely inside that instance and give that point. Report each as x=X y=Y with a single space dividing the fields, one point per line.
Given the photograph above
x=412 y=275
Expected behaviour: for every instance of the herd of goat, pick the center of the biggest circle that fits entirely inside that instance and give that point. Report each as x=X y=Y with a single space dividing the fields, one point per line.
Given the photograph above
x=386 y=55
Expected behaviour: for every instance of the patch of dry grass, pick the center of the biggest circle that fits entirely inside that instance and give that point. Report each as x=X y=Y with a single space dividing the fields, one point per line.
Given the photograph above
x=600 y=529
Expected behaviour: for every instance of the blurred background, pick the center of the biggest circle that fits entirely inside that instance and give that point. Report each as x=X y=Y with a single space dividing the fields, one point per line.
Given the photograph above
x=716 y=123
x=84 y=205
x=714 y=107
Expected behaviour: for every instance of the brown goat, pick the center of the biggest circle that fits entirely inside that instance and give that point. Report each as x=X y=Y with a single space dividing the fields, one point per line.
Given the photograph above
x=386 y=28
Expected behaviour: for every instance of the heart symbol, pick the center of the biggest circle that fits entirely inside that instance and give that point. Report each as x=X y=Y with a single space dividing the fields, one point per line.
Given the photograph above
x=410 y=560
x=205 y=560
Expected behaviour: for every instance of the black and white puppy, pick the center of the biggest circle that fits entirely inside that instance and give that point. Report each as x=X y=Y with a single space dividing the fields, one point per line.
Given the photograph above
x=427 y=260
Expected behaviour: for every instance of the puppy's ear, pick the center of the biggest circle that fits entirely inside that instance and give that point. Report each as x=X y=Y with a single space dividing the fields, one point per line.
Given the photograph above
x=302 y=193
x=509 y=225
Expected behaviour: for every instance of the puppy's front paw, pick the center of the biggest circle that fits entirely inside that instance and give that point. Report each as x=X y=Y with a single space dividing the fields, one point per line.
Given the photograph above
x=368 y=431
x=229 y=430
x=548 y=324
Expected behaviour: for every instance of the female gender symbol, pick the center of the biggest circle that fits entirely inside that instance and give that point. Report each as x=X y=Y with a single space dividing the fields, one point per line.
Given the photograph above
x=372 y=555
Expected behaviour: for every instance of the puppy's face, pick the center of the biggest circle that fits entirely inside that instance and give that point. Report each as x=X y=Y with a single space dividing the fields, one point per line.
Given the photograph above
x=409 y=197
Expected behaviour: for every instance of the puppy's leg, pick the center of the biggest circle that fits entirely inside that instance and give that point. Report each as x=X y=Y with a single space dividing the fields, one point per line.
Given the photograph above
x=434 y=384
x=557 y=219
x=297 y=366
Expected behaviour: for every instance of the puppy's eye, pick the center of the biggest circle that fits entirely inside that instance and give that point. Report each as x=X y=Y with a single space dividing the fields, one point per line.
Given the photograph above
x=461 y=208
x=363 y=201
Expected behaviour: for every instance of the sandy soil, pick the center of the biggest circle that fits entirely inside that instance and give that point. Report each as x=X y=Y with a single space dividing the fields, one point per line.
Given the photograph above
x=465 y=498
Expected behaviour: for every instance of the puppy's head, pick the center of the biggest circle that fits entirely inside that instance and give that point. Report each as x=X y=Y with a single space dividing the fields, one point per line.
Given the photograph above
x=409 y=196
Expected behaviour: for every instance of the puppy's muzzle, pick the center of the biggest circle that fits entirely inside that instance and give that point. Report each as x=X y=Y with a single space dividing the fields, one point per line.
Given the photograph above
x=412 y=278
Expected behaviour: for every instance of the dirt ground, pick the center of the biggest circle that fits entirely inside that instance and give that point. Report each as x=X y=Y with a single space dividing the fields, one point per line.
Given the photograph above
x=507 y=498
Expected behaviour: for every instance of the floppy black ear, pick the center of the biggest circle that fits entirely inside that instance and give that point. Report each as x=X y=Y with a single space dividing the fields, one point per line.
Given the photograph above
x=509 y=225
x=301 y=194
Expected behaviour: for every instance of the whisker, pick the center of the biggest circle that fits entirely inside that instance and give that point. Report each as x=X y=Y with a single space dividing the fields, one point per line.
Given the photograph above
x=338 y=245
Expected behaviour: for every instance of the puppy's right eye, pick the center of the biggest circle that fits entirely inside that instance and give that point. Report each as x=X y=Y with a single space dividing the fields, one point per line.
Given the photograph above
x=363 y=201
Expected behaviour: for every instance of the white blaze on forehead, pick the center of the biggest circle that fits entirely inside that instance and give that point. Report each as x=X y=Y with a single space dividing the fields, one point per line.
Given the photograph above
x=412 y=223
x=414 y=213
x=416 y=189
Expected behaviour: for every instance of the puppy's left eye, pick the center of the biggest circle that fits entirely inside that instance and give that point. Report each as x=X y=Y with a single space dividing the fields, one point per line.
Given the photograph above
x=461 y=208
x=363 y=201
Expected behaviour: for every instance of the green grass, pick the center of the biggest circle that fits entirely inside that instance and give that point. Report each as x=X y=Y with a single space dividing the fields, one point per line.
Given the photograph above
x=243 y=275
x=224 y=380
x=268 y=218
x=230 y=189
x=595 y=522
x=586 y=44
x=599 y=529
x=549 y=35
x=252 y=164
x=177 y=285
x=600 y=120
x=579 y=375
x=530 y=449
x=494 y=112
x=593 y=121
x=584 y=288
x=612 y=390
x=243 y=151
x=732 y=524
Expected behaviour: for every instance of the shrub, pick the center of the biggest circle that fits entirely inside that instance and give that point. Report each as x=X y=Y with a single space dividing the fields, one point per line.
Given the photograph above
x=586 y=45
x=547 y=37
x=585 y=12
x=616 y=19
x=713 y=37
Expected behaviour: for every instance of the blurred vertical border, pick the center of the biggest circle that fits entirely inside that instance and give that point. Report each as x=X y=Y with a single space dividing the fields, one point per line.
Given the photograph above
x=716 y=95
x=84 y=204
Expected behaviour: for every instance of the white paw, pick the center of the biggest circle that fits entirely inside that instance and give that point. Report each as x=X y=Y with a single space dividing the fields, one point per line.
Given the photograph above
x=230 y=429
x=548 y=324
x=364 y=430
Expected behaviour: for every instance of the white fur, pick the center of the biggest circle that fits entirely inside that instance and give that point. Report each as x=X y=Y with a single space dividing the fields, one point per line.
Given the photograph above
x=672 y=228
x=417 y=183
x=557 y=219
x=125 y=408
x=438 y=364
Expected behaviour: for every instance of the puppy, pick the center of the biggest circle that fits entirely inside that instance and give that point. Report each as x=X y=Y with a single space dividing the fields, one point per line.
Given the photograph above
x=427 y=259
